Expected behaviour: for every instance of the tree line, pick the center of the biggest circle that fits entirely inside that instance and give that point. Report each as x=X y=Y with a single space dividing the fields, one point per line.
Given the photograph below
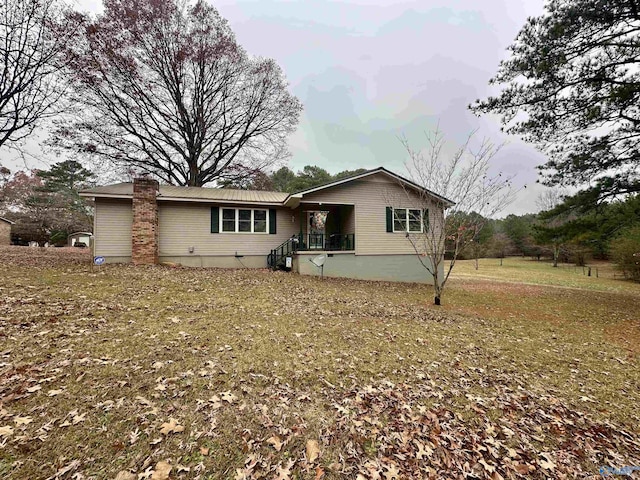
x=609 y=232
x=45 y=204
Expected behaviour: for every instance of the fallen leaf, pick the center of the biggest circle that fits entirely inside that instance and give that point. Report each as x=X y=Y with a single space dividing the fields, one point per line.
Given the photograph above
x=486 y=466
x=78 y=418
x=64 y=470
x=275 y=442
x=313 y=451
x=161 y=472
x=284 y=473
x=23 y=420
x=228 y=397
x=125 y=475
x=171 y=427
x=33 y=389
x=547 y=463
x=392 y=472
x=204 y=451
x=6 y=431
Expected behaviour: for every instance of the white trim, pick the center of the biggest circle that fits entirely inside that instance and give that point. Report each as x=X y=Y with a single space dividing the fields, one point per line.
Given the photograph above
x=393 y=216
x=237 y=220
x=214 y=200
x=181 y=199
x=320 y=204
x=105 y=195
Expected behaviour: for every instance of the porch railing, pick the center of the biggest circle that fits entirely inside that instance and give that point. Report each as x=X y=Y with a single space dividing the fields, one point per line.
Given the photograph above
x=277 y=256
x=308 y=242
x=321 y=241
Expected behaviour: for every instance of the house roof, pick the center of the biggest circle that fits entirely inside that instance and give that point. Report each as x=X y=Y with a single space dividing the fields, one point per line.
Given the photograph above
x=170 y=192
x=7 y=220
x=225 y=195
x=395 y=176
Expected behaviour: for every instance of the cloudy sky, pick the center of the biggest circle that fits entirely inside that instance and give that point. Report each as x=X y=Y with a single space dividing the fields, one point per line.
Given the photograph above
x=370 y=71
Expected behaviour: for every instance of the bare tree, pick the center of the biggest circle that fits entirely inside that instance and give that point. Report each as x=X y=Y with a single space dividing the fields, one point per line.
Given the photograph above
x=33 y=34
x=550 y=198
x=163 y=88
x=466 y=196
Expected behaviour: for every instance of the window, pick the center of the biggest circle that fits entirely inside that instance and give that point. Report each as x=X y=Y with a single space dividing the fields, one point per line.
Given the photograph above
x=415 y=221
x=399 y=220
x=228 y=219
x=260 y=221
x=244 y=220
x=407 y=220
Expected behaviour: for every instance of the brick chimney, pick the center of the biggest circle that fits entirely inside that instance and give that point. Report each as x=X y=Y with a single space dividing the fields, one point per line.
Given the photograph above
x=144 y=230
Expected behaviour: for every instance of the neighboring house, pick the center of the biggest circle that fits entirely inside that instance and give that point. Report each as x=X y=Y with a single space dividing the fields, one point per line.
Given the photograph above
x=360 y=224
x=5 y=231
x=82 y=237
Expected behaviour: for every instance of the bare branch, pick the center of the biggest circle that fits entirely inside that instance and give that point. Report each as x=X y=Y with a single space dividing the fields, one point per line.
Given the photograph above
x=464 y=178
x=163 y=87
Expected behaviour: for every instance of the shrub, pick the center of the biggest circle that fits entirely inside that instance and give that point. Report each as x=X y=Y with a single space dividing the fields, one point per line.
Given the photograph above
x=58 y=238
x=625 y=253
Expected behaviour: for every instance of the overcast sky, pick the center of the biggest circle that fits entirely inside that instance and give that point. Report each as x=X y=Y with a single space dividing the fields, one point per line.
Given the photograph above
x=369 y=71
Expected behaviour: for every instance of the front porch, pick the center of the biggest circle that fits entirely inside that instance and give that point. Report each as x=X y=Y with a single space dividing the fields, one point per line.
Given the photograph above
x=323 y=228
x=326 y=227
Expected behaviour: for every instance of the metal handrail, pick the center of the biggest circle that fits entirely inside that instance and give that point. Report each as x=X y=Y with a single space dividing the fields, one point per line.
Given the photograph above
x=286 y=248
x=311 y=241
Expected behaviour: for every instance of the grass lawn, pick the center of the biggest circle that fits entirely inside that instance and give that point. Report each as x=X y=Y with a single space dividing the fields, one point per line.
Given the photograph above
x=156 y=372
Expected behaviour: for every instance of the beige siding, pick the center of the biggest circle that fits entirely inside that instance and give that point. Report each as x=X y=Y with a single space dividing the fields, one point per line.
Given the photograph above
x=5 y=233
x=370 y=196
x=184 y=225
x=112 y=228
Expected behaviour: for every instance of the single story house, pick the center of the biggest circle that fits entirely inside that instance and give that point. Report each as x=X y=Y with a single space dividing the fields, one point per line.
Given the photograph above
x=5 y=231
x=358 y=224
x=79 y=237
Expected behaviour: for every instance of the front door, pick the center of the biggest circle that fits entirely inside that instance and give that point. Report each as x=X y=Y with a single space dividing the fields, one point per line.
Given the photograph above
x=316 y=229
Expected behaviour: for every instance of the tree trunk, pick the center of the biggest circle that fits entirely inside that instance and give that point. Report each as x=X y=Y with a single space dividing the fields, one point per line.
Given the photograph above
x=555 y=256
x=500 y=261
x=193 y=175
x=436 y=300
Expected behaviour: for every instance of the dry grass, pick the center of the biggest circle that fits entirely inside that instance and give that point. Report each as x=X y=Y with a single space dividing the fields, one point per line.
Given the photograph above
x=94 y=363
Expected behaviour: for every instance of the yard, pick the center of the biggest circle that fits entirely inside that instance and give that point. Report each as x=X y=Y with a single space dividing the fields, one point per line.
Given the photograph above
x=132 y=373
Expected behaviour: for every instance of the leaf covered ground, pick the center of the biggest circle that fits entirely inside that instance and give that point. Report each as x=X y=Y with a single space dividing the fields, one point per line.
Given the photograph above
x=156 y=372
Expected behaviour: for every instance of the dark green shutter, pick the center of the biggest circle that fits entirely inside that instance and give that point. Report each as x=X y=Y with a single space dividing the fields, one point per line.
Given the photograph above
x=215 y=219
x=425 y=219
x=272 y=221
x=389 y=219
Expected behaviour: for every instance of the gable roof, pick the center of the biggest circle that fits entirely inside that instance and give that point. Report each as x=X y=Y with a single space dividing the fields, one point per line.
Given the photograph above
x=193 y=194
x=226 y=195
x=395 y=176
x=7 y=220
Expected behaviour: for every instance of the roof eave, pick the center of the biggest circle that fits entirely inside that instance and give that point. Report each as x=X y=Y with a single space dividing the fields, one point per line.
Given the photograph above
x=90 y=194
x=181 y=199
x=216 y=200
